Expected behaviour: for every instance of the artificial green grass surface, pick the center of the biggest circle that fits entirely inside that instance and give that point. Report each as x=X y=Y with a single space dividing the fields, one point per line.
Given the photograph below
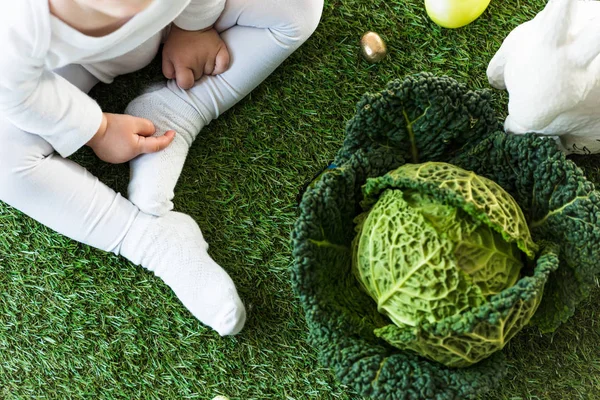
x=78 y=323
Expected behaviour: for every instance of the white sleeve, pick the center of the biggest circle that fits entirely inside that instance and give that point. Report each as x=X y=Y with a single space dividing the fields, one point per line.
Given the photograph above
x=200 y=14
x=34 y=99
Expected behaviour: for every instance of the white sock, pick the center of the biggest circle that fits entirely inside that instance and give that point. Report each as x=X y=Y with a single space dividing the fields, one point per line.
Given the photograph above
x=172 y=246
x=154 y=176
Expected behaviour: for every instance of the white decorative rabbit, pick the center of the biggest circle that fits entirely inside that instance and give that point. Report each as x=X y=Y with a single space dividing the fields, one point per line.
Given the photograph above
x=551 y=69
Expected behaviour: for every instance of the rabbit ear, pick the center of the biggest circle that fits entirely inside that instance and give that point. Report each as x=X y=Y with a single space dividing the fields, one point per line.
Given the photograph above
x=557 y=17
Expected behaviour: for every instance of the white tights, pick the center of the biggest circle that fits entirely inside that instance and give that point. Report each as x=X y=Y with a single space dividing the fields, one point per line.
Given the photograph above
x=64 y=196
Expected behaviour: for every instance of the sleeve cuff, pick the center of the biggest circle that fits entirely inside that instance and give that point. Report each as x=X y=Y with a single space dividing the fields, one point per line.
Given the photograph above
x=190 y=21
x=90 y=121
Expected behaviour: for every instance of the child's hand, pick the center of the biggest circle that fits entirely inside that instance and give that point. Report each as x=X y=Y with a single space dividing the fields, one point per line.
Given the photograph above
x=123 y=137
x=188 y=55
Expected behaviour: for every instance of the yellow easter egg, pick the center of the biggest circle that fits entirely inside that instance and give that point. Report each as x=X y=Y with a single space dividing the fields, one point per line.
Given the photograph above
x=455 y=13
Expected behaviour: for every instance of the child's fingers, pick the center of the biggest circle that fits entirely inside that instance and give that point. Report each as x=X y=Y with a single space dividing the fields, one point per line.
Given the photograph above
x=155 y=144
x=198 y=73
x=145 y=127
x=209 y=66
x=221 y=62
x=168 y=68
x=185 y=77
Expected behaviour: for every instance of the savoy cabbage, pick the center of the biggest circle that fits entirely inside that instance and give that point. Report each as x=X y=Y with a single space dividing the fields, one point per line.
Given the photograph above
x=417 y=120
x=437 y=242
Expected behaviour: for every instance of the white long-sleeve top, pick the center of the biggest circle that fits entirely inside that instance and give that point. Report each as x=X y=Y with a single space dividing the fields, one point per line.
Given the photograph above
x=34 y=43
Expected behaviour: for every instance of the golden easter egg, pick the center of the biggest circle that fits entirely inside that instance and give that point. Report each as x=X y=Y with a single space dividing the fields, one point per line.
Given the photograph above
x=373 y=47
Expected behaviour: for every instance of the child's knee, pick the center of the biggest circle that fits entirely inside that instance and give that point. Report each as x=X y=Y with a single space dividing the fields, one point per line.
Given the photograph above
x=20 y=154
x=302 y=18
x=311 y=11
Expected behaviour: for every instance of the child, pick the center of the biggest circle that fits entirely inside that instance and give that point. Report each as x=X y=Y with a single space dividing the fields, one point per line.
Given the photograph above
x=54 y=51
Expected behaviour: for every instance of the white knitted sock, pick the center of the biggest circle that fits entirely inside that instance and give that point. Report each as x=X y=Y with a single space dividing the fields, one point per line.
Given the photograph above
x=154 y=176
x=172 y=246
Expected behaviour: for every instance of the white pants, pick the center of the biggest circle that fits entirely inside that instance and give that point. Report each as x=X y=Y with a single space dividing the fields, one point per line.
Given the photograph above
x=62 y=195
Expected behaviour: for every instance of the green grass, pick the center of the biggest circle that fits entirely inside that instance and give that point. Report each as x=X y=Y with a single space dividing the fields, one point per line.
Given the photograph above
x=76 y=322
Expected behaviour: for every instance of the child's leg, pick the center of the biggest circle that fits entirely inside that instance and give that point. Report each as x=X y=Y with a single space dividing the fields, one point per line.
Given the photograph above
x=67 y=198
x=260 y=35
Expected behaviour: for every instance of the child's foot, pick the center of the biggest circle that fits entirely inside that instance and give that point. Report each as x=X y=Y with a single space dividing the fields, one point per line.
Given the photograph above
x=153 y=176
x=172 y=246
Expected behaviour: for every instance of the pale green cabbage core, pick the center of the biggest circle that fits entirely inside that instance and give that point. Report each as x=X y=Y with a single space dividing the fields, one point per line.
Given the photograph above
x=423 y=261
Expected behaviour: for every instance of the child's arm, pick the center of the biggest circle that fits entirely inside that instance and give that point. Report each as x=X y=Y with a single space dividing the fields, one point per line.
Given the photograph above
x=41 y=102
x=31 y=97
